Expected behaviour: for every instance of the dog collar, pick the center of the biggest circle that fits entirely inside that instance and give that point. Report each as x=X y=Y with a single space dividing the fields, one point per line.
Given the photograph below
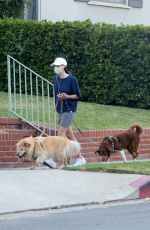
x=112 y=138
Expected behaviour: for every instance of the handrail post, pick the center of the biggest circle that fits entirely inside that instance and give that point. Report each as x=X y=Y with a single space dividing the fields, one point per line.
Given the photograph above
x=9 y=86
x=22 y=82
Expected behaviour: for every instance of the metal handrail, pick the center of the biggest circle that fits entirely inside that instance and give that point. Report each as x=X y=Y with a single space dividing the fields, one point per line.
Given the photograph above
x=36 y=105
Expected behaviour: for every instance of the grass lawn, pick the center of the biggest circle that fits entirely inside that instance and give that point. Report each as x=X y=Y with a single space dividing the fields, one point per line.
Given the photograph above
x=92 y=115
x=129 y=168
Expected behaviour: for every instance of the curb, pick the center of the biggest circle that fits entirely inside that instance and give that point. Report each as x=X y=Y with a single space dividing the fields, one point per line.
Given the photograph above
x=59 y=207
x=143 y=187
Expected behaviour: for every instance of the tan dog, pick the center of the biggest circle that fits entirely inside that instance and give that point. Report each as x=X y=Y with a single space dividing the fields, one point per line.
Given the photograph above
x=39 y=149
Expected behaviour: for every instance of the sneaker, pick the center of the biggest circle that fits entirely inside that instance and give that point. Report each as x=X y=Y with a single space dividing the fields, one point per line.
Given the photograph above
x=50 y=163
x=79 y=161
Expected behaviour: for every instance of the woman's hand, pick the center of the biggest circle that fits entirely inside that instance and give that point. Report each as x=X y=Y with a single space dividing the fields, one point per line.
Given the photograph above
x=63 y=96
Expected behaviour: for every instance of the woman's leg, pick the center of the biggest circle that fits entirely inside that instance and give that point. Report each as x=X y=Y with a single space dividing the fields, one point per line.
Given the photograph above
x=62 y=131
x=70 y=133
x=65 y=129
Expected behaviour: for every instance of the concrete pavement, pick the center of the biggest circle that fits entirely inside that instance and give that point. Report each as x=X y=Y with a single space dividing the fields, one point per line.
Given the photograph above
x=25 y=189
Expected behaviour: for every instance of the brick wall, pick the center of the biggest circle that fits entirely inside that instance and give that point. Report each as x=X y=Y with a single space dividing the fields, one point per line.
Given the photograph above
x=12 y=130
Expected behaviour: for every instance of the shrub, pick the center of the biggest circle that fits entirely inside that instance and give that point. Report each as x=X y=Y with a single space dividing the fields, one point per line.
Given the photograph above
x=111 y=62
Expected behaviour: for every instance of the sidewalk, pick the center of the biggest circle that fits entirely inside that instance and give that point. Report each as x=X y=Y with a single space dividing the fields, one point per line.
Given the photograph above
x=25 y=189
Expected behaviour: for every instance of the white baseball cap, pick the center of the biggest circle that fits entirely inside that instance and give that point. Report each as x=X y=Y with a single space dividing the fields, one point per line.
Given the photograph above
x=59 y=61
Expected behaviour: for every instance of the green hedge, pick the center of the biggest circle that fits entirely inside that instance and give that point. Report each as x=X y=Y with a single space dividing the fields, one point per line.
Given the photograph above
x=112 y=63
x=9 y=8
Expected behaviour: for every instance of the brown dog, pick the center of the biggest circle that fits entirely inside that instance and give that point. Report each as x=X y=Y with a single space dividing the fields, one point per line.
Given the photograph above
x=39 y=149
x=128 y=140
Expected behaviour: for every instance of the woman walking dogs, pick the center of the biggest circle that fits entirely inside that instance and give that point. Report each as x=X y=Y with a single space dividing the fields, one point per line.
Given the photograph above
x=67 y=94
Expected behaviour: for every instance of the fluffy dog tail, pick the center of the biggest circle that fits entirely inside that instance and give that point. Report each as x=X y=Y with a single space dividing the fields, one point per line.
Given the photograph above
x=136 y=128
x=73 y=148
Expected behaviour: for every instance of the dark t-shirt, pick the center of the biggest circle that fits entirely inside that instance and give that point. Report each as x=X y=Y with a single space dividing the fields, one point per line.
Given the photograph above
x=68 y=85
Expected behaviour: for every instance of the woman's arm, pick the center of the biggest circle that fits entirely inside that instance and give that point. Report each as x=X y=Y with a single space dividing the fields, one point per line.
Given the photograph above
x=66 y=96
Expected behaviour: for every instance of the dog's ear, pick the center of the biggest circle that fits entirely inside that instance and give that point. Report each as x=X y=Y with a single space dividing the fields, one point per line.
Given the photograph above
x=26 y=144
x=39 y=146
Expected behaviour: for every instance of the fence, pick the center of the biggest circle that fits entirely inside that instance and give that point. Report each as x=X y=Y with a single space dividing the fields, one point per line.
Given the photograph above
x=31 y=97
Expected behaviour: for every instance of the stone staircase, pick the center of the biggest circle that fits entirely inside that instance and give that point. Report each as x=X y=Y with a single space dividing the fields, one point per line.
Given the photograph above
x=13 y=129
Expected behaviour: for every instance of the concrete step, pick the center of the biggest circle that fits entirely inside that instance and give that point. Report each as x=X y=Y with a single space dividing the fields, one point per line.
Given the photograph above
x=9 y=159
x=10 y=123
x=15 y=134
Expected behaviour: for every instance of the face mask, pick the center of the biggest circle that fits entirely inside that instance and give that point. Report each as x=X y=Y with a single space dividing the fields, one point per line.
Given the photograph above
x=58 y=69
